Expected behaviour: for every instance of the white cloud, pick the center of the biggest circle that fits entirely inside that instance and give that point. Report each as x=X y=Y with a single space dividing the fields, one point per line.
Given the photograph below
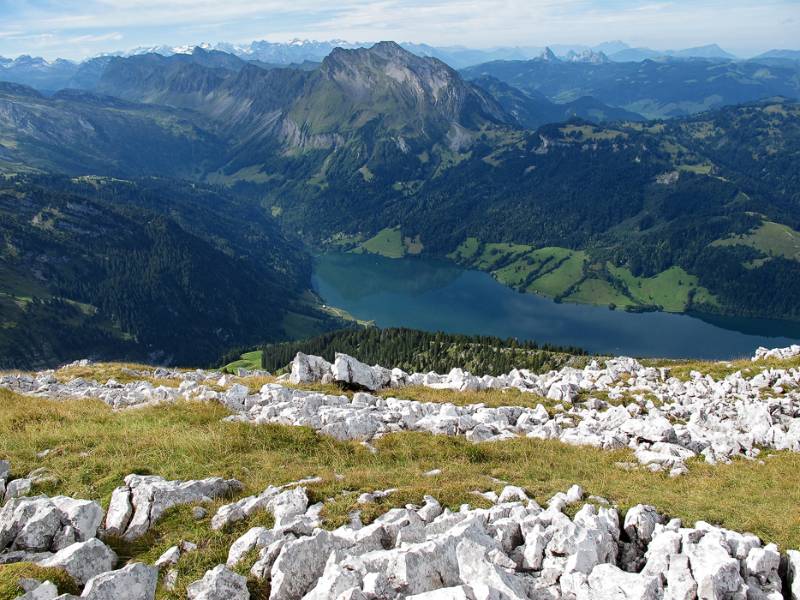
x=94 y=38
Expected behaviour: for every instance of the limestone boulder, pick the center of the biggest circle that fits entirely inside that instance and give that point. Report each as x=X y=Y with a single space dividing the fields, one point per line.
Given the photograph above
x=220 y=583
x=352 y=373
x=137 y=505
x=308 y=369
x=135 y=581
x=83 y=560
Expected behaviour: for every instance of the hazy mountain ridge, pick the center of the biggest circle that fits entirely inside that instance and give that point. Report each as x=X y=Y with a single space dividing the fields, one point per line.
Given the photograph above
x=364 y=100
x=533 y=109
x=84 y=133
x=656 y=89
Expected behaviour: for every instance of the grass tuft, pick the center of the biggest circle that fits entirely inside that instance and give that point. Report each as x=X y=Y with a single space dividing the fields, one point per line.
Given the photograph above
x=11 y=574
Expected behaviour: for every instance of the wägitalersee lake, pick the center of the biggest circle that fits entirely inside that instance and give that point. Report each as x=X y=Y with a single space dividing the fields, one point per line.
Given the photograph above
x=437 y=295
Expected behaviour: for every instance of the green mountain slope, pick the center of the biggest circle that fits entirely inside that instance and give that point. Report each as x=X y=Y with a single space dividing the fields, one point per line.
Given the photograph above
x=82 y=133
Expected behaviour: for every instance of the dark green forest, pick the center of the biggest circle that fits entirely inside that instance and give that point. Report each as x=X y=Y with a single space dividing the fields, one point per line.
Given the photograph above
x=122 y=270
x=421 y=351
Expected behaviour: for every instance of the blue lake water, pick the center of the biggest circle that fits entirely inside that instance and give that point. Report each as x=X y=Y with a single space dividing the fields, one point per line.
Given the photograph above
x=437 y=295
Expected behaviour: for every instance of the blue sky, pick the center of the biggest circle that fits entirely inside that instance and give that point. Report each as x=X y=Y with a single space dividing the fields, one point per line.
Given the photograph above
x=80 y=28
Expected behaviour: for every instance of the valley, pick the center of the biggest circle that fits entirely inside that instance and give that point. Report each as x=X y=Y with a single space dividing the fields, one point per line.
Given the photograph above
x=380 y=151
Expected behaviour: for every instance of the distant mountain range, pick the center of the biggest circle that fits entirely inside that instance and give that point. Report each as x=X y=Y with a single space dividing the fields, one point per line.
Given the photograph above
x=298 y=51
x=662 y=88
x=581 y=200
x=60 y=73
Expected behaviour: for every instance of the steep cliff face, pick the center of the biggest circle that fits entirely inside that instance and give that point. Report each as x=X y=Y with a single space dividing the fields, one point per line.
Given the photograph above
x=368 y=93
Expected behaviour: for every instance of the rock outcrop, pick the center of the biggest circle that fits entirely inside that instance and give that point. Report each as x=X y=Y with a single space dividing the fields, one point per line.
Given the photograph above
x=137 y=505
x=515 y=549
x=665 y=420
x=38 y=524
x=219 y=583
x=83 y=560
x=135 y=581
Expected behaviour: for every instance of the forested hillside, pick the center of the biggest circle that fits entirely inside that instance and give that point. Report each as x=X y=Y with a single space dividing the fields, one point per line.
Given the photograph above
x=121 y=269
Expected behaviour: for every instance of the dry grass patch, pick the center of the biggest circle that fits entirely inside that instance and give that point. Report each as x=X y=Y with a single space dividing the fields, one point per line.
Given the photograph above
x=720 y=369
x=120 y=372
x=491 y=398
x=188 y=441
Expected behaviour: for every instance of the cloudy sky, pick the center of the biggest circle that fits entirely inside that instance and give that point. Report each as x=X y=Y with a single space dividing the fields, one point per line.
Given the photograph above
x=80 y=28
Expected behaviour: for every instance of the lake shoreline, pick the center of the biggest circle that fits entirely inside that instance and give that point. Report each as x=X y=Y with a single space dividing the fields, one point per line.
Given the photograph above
x=437 y=294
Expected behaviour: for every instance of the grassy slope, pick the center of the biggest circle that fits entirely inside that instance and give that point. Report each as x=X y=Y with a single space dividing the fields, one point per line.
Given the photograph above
x=669 y=288
x=387 y=242
x=559 y=280
x=94 y=448
x=770 y=238
x=249 y=360
x=561 y=273
x=596 y=291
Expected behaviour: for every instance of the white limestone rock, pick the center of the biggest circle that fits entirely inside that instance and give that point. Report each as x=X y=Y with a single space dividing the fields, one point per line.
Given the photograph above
x=300 y=564
x=459 y=592
x=308 y=369
x=640 y=523
x=257 y=537
x=351 y=372
x=235 y=396
x=169 y=557
x=486 y=579
x=83 y=560
x=680 y=581
x=144 y=499
x=288 y=504
x=790 y=570
x=716 y=572
x=38 y=524
x=40 y=591
x=220 y=583
x=611 y=583
x=135 y=581
x=18 y=488
x=83 y=516
x=335 y=581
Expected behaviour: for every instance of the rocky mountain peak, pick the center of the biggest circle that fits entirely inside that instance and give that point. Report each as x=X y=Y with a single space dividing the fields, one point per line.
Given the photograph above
x=406 y=84
x=383 y=56
x=547 y=55
x=588 y=57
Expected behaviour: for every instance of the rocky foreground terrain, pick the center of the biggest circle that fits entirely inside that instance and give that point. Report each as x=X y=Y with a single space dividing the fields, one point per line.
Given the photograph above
x=504 y=545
